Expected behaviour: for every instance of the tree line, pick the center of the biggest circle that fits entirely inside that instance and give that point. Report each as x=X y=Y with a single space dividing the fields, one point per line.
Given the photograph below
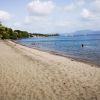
x=9 y=33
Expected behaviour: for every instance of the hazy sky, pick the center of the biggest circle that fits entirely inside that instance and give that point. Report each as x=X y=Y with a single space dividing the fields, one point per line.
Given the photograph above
x=48 y=16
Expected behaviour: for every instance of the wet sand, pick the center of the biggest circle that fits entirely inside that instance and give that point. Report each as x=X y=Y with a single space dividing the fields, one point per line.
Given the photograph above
x=30 y=74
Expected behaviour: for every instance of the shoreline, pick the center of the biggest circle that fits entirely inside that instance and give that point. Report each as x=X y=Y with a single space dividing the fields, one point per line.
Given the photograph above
x=73 y=58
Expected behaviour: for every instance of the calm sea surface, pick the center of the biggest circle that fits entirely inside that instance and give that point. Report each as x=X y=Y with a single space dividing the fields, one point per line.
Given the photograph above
x=69 y=46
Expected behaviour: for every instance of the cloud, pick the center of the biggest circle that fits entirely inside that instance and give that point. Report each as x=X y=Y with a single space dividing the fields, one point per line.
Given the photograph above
x=4 y=16
x=87 y=14
x=37 y=7
x=92 y=12
x=68 y=15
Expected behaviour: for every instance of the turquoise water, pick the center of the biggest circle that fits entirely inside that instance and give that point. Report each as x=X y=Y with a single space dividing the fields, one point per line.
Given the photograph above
x=69 y=46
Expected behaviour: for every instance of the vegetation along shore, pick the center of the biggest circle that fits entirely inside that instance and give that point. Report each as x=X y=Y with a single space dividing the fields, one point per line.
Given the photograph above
x=9 y=33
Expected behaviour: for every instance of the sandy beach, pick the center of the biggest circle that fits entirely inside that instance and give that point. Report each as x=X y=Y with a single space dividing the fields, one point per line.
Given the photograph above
x=30 y=74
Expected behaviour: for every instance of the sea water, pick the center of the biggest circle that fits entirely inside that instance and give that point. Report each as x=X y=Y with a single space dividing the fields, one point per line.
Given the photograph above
x=70 y=46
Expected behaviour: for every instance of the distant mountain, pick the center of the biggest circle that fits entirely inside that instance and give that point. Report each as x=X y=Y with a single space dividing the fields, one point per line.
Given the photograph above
x=82 y=32
x=86 y=32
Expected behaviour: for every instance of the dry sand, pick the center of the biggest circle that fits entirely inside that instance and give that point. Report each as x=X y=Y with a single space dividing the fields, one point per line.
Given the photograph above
x=29 y=74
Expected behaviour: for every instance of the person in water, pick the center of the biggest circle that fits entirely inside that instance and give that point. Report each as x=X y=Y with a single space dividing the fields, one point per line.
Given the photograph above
x=82 y=45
